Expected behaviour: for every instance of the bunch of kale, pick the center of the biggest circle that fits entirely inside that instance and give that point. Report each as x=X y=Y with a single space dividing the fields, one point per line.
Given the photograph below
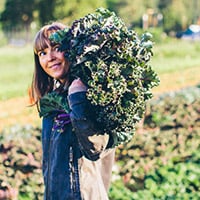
x=114 y=63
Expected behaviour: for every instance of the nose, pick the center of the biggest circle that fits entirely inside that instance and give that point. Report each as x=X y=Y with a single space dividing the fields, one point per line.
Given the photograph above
x=51 y=56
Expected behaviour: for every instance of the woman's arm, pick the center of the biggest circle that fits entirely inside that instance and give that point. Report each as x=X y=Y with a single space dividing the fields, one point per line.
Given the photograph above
x=92 y=142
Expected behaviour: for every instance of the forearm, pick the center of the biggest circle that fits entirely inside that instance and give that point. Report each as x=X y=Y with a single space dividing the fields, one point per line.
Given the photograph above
x=92 y=141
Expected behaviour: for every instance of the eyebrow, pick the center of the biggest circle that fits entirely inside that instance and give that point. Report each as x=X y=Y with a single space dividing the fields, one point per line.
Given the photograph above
x=52 y=46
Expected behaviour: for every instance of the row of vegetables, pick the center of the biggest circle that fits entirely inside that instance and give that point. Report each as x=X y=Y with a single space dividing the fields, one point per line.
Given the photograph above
x=160 y=162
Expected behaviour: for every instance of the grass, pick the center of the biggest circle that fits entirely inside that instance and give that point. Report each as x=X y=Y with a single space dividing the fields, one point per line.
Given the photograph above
x=177 y=63
x=175 y=56
x=2 y=2
x=15 y=71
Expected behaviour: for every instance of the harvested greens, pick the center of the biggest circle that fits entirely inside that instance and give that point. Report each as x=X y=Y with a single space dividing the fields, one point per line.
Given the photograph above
x=113 y=62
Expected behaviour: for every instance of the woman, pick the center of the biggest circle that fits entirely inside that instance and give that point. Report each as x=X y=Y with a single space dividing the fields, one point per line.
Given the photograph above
x=77 y=158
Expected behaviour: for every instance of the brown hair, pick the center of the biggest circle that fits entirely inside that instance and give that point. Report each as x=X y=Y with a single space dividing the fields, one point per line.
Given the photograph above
x=42 y=82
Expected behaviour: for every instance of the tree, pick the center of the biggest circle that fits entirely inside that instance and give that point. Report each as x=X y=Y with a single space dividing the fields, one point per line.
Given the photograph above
x=18 y=14
x=131 y=11
x=69 y=11
x=46 y=10
x=66 y=10
x=163 y=4
x=177 y=14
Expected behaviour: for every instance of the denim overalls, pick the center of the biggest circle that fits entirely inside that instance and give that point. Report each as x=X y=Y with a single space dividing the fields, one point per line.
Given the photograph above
x=62 y=149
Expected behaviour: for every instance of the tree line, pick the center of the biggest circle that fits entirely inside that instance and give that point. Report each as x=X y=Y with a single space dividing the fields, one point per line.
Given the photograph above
x=21 y=14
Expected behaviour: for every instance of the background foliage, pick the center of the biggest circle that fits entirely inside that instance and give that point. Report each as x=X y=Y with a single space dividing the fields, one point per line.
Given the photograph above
x=28 y=14
x=162 y=160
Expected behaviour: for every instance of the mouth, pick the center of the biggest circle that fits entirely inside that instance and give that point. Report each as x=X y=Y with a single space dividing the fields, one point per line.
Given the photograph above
x=56 y=65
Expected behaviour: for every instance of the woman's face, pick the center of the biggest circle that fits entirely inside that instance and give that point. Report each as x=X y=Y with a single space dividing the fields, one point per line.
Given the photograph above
x=53 y=62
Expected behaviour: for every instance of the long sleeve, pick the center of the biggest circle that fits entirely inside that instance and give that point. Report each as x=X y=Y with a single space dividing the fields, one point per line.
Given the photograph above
x=92 y=141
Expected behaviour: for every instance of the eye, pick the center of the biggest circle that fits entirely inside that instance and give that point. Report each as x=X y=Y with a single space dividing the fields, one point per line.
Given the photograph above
x=41 y=53
x=56 y=48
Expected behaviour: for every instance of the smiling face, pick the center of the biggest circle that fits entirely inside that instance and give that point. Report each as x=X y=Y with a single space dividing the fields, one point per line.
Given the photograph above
x=50 y=63
x=53 y=62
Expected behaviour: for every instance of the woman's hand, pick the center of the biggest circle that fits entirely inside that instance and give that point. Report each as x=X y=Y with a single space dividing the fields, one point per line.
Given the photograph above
x=77 y=86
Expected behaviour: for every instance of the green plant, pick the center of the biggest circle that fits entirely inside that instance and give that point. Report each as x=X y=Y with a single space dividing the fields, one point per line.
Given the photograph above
x=113 y=62
x=174 y=181
x=118 y=191
x=20 y=160
x=163 y=156
x=156 y=162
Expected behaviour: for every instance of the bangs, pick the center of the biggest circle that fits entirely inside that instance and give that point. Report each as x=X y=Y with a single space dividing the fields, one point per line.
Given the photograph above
x=42 y=37
x=41 y=42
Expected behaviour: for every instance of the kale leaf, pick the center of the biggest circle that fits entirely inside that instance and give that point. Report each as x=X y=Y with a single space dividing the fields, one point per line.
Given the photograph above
x=113 y=62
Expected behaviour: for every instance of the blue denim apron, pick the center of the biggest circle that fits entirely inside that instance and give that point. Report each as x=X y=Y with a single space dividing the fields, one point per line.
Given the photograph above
x=64 y=141
x=60 y=162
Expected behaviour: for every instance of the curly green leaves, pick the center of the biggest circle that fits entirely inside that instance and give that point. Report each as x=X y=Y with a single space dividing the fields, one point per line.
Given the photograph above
x=114 y=63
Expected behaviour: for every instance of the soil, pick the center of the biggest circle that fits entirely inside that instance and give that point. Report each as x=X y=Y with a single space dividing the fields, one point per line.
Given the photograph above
x=16 y=111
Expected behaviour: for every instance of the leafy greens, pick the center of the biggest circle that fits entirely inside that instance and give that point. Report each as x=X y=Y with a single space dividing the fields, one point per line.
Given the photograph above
x=113 y=62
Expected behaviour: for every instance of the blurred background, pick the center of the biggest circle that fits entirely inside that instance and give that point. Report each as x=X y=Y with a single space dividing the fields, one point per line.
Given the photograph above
x=162 y=160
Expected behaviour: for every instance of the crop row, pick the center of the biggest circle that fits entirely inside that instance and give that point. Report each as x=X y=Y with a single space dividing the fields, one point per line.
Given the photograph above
x=160 y=162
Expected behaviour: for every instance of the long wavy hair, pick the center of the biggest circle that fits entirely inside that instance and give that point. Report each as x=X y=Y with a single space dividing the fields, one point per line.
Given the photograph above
x=42 y=83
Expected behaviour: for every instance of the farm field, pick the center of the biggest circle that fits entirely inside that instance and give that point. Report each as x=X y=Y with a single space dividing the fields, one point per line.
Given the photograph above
x=176 y=62
x=16 y=110
x=160 y=162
